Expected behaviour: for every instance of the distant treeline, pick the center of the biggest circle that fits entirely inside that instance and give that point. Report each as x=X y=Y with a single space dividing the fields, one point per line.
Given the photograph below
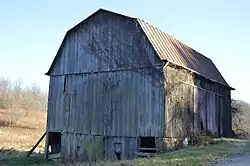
x=13 y=95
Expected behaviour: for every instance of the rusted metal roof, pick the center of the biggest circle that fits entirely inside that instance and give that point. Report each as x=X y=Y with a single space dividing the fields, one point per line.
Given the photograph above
x=176 y=52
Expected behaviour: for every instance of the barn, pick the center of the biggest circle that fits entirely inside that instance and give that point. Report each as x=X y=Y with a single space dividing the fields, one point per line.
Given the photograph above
x=119 y=86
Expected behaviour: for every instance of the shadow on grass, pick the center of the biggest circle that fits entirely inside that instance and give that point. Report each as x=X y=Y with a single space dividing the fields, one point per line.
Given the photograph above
x=13 y=157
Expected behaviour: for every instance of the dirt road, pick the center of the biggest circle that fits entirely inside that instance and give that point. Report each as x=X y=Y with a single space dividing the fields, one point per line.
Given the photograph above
x=237 y=161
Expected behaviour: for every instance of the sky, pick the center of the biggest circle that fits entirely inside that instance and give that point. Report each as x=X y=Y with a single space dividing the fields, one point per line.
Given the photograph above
x=32 y=31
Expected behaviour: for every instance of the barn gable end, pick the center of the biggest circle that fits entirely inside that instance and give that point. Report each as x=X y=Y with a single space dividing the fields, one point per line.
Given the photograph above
x=105 y=89
x=104 y=42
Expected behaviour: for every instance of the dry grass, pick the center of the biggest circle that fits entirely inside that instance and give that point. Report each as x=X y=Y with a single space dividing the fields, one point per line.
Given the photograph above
x=26 y=128
x=21 y=130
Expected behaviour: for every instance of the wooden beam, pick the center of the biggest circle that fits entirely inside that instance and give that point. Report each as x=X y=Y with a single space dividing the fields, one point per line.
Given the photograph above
x=38 y=142
x=108 y=71
x=152 y=149
x=140 y=154
x=54 y=156
x=217 y=94
x=46 y=145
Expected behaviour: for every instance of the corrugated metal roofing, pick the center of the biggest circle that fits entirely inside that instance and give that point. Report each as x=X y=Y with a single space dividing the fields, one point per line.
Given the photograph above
x=174 y=51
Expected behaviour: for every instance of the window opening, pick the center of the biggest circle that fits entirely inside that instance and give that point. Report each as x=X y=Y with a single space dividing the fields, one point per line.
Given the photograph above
x=54 y=142
x=147 y=144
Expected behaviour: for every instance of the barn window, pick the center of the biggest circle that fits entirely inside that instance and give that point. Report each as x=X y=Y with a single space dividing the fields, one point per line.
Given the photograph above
x=54 y=142
x=147 y=144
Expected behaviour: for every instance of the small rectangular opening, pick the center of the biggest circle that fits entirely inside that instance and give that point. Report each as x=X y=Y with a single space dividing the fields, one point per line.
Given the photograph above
x=64 y=83
x=147 y=144
x=118 y=150
x=202 y=127
x=118 y=155
x=54 y=142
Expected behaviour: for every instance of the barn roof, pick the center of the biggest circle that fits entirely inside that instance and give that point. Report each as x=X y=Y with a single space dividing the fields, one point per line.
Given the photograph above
x=172 y=50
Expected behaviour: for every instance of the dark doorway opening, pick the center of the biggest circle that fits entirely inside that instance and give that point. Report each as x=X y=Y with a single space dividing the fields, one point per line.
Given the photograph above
x=147 y=144
x=118 y=150
x=202 y=127
x=54 y=142
x=118 y=155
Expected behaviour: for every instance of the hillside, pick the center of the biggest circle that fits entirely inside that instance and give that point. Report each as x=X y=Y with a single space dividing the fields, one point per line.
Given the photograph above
x=22 y=116
x=20 y=130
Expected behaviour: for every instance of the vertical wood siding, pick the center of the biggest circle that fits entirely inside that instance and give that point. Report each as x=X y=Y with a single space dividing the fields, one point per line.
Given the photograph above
x=76 y=146
x=124 y=103
x=110 y=105
x=196 y=100
x=129 y=145
x=105 y=42
x=56 y=105
x=93 y=148
x=106 y=83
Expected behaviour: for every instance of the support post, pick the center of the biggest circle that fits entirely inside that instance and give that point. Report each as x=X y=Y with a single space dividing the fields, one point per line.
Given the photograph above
x=46 y=145
x=38 y=142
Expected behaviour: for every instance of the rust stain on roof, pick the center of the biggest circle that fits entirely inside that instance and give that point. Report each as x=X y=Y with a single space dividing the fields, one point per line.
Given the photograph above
x=176 y=52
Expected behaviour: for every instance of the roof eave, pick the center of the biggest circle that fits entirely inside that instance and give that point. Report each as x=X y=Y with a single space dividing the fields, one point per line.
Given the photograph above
x=231 y=88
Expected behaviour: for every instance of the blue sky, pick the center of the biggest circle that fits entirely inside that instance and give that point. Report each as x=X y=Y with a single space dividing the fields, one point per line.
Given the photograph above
x=32 y=31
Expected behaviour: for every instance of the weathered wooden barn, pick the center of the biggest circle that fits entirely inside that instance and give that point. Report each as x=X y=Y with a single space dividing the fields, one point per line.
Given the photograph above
x=119 y=86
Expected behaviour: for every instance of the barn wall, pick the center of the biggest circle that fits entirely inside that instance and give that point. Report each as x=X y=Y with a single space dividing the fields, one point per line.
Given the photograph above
x=104 y=42
x=127 y=103
x=93 y=148
x=121 y=105
x=126 y=145
x=178 y=102
x=193 y=103
x=106 y=82
x=219 y=98
x=56 y=104
x=75 y=146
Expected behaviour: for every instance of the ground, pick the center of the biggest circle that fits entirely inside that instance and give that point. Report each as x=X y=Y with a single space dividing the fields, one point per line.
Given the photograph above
x=21 y=129
x=236 y=161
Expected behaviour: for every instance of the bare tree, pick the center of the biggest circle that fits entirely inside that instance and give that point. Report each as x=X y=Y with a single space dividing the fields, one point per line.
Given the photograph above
x=12 y=95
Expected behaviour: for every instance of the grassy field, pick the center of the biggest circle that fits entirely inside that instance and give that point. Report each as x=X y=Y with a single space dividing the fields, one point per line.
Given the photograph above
x=20 y=131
